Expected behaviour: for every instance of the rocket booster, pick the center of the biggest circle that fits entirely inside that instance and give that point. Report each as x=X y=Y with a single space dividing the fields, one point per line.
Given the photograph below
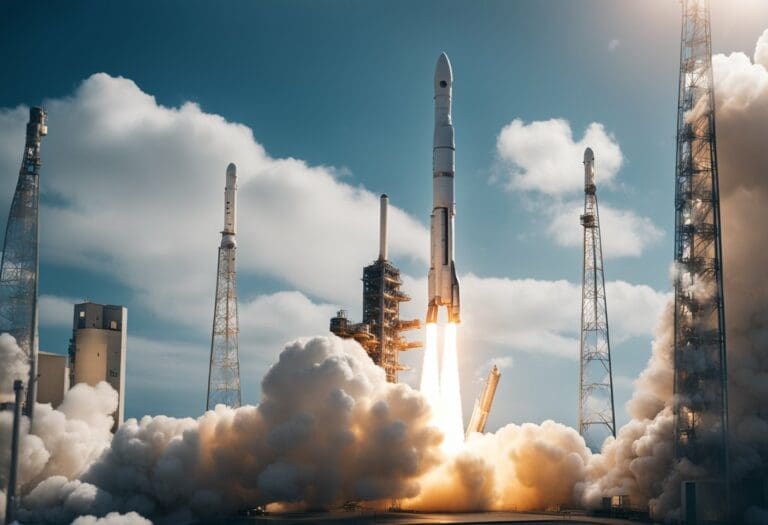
x=484 y=403
x=443 y=283
x=230 y=207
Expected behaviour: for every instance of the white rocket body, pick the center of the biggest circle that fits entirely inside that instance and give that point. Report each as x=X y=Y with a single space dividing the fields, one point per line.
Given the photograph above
x=443 y=283
x=589 y=169
x=230 y=207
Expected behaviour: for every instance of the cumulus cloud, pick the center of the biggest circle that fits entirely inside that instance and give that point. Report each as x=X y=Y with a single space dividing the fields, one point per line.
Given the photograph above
x=113 y=150
x=544 y=315
x=543 y=156
x=624 y=233
x=543 y=159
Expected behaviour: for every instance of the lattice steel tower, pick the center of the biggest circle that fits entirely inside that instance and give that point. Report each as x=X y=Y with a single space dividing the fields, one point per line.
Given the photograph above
x=597 y=417
x=20 y=263
x=224 y=371
x=381 y=306
x=700 y=383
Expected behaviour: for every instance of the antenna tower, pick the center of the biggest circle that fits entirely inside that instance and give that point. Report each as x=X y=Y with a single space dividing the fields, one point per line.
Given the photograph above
x=20 y=262
x=597 y=417
x=224 y=371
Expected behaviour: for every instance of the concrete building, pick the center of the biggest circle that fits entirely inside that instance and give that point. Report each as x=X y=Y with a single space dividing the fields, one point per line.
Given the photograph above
x=53 y=378
x=97 y=349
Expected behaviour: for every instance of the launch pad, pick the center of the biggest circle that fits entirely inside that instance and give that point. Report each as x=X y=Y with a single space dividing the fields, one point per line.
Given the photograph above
x=365 y=517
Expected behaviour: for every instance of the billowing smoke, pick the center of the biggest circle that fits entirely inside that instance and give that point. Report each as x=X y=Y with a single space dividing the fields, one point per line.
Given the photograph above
x=328 y=429
x=521 y=467
x=15 y=366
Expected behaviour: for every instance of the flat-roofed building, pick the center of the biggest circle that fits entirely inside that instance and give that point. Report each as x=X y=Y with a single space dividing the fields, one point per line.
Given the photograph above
x=97 y=349
x=52 y=378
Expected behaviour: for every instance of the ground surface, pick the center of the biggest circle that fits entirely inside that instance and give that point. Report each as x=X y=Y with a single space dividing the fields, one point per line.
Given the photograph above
x=364 y=517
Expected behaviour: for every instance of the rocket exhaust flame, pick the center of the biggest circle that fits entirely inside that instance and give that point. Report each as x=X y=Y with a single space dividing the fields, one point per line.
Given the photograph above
x=430 y=379
x=450 y=393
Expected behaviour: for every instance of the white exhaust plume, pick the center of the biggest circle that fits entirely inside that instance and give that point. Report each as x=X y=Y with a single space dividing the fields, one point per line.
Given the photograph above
x=329 y=428
x=15 y=366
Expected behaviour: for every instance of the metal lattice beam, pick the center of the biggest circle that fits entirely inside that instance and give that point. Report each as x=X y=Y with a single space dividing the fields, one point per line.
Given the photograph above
x=700 y=380
x=20 y=261
x=224 y=369
x=597 y=419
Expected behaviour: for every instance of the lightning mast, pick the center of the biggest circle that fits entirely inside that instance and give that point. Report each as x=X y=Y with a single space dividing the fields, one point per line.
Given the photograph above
x=700 y=379
x=224 y=371
x=597 y=417
x=20 y=262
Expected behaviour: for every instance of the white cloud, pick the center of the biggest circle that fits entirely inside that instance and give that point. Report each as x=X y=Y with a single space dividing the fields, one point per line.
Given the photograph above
x=143 y=187
x=543 y=156
x=613 y=44
x=623 y=232
x=542 y=159
x=542 y=316
x=56 y=311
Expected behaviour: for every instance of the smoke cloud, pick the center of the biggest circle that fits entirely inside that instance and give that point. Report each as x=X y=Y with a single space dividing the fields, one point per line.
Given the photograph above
x=15 y=366
x=328 y=429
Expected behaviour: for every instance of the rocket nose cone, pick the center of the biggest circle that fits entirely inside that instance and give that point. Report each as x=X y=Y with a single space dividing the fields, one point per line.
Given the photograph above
x=589 y=156
x=443 y=73
x=231 y=170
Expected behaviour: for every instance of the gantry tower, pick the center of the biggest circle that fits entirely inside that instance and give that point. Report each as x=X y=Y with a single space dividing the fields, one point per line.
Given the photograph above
x=224 y=371
x=380 y=332
x=597 y=417
x=381 y=306
x=20 y=261
x=700 y=380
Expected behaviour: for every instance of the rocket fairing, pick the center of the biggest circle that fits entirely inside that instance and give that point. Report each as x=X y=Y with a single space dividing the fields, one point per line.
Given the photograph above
x=230 y=205
x=443 y=283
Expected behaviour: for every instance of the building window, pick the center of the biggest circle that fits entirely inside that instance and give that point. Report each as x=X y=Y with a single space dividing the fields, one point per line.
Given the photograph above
x=113 y=325
x=82 y=313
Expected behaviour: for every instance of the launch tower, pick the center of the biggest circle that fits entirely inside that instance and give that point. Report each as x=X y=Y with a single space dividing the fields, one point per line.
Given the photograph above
x=380 y=332
x=20 y=262
x=381 y=306
x=224 y=371
x=597 y=419
x=700 y=379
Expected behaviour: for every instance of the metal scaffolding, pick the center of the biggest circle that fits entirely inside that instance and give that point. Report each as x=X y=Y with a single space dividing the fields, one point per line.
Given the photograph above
x=597 y=417
x=20 y=262
x=700 y=383
x=380 y=332
x=224 y=371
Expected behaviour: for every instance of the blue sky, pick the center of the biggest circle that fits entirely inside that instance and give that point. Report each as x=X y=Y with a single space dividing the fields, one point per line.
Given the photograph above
x=346 y=88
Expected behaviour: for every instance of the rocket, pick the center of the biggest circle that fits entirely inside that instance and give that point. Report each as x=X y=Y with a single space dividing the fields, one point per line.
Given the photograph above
x=443 y=283
x=230 y=204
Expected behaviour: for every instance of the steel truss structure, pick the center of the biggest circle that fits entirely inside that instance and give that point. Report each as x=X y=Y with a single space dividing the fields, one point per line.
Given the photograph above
x=224 y=369
x=20 y=261
x=597 y=418
x=700 y=379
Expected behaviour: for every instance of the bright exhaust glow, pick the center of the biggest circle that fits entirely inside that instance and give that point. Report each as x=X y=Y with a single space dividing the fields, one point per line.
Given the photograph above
x=440 y=386
x=450 y=393
x=430 y=380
